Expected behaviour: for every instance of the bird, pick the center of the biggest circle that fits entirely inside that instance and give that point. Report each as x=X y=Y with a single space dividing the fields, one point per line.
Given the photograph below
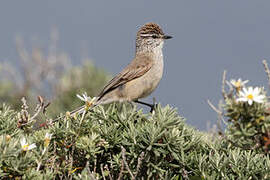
x=142 y=75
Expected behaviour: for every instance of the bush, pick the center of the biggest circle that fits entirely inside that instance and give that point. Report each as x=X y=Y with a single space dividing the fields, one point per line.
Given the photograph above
x=121 y=142
x=83 y=78
x=117 y=141
x=246 y=110
x=48 y=74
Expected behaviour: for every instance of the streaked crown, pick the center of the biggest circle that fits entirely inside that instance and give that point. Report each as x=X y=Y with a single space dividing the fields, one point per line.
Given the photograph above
x=150 y=29
x=149 y=37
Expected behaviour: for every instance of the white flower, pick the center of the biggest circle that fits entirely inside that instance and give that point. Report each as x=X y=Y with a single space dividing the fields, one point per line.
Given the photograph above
x=26 y=146
x=48 y=136
x=84 y=97
x=47 y=139
x=251 y=95
x=239 y=84
x=88 y=100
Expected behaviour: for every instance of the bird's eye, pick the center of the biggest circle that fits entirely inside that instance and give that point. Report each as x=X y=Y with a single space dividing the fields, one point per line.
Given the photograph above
x=154 y=36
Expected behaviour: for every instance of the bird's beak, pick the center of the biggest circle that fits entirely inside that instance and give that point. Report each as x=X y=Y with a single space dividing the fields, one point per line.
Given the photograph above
x=167 y=37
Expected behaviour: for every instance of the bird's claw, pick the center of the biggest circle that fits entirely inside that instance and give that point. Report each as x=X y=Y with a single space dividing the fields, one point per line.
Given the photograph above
x=153 y=106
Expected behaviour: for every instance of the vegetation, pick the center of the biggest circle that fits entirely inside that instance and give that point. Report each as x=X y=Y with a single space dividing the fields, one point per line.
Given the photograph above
x=119 y=141
x=51 y=75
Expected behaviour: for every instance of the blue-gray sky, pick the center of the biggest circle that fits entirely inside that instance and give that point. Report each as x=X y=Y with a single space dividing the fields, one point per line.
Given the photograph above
x=209 y=36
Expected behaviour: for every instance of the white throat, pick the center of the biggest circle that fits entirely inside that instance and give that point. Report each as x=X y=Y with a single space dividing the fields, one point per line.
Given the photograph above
x=158 y=50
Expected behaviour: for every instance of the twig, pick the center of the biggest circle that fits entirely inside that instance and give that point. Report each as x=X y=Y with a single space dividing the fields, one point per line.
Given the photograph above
x=222 y=115
x=24 y=115
x=39 y=108
x=266 y=68
x=230 y=94
x=139 y=164
x=24 y=106
x=106 y=167
x=121 y=171
x=61 y=117
x=39 y=165
x=223 y=85
x=92 y=177
x=111 y=164
x=125 y=162
x=89 y=172
x=54 y=155
x=82 y=118
x=95 y=166
x=213 y=107
x=185 y=174
x=71 y=158
x=219 y=113
x=102 y=172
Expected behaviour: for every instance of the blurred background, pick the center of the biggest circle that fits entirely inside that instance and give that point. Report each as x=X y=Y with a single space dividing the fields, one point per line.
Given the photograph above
x=60 y=48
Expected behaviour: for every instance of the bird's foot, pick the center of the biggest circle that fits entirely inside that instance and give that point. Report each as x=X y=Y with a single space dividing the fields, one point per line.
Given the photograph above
x=154 y=105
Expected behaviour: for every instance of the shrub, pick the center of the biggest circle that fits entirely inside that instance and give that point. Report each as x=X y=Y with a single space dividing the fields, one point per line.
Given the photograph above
x=48 y=74
x=246 y=110
x=121 y=142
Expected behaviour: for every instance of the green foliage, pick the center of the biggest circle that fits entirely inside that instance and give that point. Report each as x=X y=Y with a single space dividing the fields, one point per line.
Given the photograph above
x=50 y=75
x=249 y=123
x=84 y=78
x=120 y=141
x=78 y=79
x=117 y=141
x=7 y=127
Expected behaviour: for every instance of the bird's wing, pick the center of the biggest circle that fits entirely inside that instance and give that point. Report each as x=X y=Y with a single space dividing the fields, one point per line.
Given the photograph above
x=137 y=68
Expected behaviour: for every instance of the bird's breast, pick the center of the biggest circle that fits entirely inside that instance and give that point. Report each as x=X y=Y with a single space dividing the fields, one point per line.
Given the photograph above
x=144 y=85
x=152 y=78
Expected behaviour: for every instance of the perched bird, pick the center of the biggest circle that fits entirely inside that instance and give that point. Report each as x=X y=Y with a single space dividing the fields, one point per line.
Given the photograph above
x=141 y=77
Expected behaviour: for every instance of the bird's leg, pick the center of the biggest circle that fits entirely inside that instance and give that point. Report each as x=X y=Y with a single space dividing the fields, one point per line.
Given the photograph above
x=152 y=106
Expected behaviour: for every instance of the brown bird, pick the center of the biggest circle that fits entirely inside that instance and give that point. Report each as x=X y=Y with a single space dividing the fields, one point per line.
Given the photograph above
x=141 y=77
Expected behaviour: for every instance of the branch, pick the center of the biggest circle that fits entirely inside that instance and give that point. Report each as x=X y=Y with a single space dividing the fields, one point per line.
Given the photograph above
x=121 y=171
x=220 y=115
x=230 y=94
x=214 y=108
x=139 y=164
x=102 y=172
x=266 y=68
x=106 y=167
x=125 y=162
x=223 y=85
